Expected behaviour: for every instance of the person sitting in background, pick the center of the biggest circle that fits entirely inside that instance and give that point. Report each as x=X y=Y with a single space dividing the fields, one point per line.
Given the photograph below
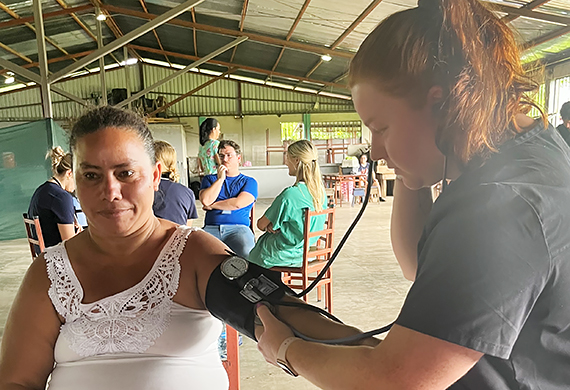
x=364 y=165
x=228 y=198
x=282 y=243
x=173 y=201
x=564 y=127
x=363 y=170
x=52 y=202
x=208 y=159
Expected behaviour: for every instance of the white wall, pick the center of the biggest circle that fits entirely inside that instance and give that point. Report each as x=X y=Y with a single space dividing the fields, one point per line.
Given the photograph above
x=174 y=134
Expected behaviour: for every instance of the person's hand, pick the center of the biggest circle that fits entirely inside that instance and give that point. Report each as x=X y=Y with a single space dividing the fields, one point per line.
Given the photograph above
x=207 y=208
x=222 y=171
x=274 y=333
x=270 y=229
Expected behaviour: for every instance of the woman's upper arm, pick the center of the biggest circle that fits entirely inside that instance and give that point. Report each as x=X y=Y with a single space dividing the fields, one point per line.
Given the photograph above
x=66 y=231
x=32 y=328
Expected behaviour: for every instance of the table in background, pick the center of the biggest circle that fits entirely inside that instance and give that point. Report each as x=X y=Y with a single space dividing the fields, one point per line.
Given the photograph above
x=343 y=185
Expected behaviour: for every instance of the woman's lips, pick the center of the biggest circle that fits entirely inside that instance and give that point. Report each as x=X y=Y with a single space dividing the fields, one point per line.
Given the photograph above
x=113 y=212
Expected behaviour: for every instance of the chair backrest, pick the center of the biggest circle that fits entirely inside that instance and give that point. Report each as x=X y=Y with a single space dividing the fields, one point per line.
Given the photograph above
x=34 y=235
x=324 y=249
x=252 y=218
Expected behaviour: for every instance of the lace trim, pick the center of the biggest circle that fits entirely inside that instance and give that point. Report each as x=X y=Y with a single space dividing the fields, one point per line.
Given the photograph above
x=129 y=321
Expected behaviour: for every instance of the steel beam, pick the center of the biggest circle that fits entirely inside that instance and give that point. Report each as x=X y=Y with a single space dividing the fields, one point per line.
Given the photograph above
x=174 y=12
x=27 y=19
x=532 y=5
x=192 y=92
x=195 y=64
x=244 y=67
x=101 y=64
x=42 y=56
x=127 y=75
x=291 y=30
x=347 y=32
x=315 y=49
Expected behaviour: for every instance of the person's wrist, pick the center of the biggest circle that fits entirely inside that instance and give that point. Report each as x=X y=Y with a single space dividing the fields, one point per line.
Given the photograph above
x=281 y=359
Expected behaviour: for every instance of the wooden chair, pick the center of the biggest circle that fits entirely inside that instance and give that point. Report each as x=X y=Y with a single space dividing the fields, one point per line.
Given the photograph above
x=231 y=364
x=314 y=259
x=34 y=235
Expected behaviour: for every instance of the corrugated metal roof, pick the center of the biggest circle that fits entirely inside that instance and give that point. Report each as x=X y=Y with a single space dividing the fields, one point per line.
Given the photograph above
x=269 y=20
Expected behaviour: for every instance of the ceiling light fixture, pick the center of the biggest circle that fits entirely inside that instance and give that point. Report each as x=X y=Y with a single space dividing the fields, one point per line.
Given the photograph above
x=326 y=57
x=101 y=17
x=9 y=80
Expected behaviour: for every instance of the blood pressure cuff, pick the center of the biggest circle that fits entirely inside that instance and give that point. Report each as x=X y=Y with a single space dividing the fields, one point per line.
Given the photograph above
x=233 y=301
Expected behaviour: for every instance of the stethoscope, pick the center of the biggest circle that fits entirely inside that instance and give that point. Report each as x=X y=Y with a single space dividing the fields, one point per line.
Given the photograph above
x=358 y=337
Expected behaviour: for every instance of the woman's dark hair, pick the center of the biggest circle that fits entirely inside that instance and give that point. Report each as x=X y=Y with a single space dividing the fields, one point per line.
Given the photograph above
x=465 y=49
x=107 y=116
x=206 y=128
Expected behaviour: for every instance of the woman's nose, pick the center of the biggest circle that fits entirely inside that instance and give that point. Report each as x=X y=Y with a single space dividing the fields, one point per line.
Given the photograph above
x=112 y=189
x=377 y=151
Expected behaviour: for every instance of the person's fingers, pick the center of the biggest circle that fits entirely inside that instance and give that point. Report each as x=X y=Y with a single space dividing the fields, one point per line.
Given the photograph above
x=265 y=315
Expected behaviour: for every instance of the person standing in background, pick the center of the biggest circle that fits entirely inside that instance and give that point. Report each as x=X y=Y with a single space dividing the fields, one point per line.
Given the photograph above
x=52 y=202
x=208 y=160
x=173 y=201
x=564 y=127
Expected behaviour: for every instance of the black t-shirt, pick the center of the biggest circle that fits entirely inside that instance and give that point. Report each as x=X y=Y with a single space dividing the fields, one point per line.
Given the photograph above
x=53 y=205
x=174 y=202
x=564 y=132
x=494 y=267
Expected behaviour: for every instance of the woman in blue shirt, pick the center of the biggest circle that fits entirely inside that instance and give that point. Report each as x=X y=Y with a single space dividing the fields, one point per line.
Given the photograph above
x=173 y=201
x=282 y=243
x=52 y=202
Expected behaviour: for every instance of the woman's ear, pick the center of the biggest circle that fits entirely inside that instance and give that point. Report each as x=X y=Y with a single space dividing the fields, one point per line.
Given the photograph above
x=156 y=175
x=435 y=98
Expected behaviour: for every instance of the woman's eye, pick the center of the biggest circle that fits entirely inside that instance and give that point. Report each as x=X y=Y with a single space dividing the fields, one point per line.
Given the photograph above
x=126 y=174
x=90 y=175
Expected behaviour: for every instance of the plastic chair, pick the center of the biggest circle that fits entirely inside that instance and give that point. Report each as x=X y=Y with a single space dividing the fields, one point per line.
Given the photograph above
x=314 y=259
x=34 y=235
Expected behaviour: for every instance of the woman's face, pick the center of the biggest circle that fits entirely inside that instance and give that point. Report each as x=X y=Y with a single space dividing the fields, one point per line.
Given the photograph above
x=401 y=135
x=216 y=131
x=292 y=163
x=115 y=180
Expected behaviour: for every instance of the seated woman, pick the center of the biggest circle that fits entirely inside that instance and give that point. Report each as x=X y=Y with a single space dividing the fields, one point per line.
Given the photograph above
x=122 y=304
x=282 y=243
x=173 y=201
x=52 y=202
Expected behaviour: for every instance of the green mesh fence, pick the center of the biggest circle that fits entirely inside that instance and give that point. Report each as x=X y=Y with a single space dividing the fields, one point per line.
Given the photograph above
x=24 y=167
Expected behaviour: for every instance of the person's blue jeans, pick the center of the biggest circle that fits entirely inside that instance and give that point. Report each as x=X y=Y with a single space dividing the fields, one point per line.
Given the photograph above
x=239 y=238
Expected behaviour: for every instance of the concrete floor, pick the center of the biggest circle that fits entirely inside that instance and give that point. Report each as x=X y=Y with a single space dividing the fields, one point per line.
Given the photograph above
x=368 y=291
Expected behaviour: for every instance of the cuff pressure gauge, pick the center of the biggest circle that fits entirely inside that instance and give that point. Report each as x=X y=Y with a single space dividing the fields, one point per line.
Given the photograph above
x=234 y=267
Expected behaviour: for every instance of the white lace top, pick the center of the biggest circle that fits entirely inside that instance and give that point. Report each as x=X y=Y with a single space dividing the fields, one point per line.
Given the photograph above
x=136 y=339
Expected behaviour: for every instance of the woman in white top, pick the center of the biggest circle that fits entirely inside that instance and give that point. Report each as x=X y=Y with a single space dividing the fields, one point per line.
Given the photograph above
x=122 y=304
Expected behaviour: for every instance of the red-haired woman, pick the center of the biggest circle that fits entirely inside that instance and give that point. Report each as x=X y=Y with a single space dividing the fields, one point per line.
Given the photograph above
x=442 y=89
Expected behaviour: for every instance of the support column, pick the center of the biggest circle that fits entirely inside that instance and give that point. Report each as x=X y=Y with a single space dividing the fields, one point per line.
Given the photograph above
x=42 y=59
x=127 y=74
x=101 y=63
x=307 y=126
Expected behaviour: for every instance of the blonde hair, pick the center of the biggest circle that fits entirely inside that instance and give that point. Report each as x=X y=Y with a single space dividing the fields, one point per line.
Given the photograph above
x=308 y=169
x=166 y=154
x=61 y=162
